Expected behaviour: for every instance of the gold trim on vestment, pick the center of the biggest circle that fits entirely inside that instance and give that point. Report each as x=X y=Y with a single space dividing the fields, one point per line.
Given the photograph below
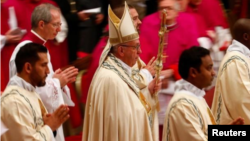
x=124 y=39
x=145 y=103
x=113 y=64
x=211 y=116
x=43 y=111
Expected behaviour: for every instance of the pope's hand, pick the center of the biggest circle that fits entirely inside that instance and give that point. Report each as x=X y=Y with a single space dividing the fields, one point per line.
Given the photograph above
x=151 y=66
x=153 y=87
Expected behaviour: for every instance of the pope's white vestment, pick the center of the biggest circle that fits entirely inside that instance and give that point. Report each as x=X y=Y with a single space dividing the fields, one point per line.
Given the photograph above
x=115 y=108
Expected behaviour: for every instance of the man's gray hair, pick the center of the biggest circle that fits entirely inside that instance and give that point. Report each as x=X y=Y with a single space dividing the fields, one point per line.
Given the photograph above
x=177 y=6
x=42 y=13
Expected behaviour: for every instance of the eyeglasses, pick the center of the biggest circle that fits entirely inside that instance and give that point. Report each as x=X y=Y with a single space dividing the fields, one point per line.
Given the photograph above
x=137 y=47
x=56 y=25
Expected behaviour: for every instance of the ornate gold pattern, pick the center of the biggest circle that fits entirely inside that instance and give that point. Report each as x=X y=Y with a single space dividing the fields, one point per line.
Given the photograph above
x=160 y=56
x=211 y=116
x=124 y=39
x=145 y=103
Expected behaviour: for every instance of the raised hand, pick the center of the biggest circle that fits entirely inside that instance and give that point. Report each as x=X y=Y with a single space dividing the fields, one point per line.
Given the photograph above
x=151 y=66
x=66 y=76
x=57 y=118
x=83 y=16
x=99 y=18
x=13 y=36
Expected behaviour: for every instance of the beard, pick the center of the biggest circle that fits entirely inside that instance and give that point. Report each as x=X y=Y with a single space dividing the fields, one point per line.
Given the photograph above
x=37 y=80
x=41 y=83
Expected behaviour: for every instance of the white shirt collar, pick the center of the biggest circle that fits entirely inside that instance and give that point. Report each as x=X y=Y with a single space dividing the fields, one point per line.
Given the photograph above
x=170 y=25
x=183 y=85
x=18 y=81
x=39 y=36
x=237 y=46
x=127 y=68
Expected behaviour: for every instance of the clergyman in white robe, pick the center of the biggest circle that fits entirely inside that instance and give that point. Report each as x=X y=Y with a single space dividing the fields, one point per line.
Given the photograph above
x=232 y=89
x=187 y=115
x=22 y=113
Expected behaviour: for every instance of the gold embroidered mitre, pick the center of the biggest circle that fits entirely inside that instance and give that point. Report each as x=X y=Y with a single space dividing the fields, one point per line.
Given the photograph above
x=121 y=30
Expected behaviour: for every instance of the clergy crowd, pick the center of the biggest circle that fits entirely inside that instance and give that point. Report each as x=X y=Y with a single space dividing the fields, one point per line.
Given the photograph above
x=130 y=91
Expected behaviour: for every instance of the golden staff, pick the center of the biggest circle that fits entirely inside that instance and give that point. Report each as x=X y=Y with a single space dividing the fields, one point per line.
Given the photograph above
x=160 y=56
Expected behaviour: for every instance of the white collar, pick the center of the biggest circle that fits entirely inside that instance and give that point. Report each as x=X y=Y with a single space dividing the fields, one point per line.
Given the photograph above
x=18 y=81
x=237 y=46
x=170 y=25
x=127 y=68
x=39 y=36
x=183 y=85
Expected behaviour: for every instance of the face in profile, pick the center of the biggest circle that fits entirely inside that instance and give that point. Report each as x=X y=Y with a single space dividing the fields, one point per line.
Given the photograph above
x=131 y=51
x=54 y=26
x=206 y=74
x=135 y=18
x=40 y=70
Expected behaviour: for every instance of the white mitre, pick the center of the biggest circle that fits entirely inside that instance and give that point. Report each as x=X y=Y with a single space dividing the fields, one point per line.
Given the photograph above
x=120 y=30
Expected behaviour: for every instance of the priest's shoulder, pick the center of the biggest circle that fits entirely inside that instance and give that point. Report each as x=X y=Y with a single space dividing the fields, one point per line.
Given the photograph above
x=10 y=94
x=236 y=56
x=182 y=99
x=11 y=91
